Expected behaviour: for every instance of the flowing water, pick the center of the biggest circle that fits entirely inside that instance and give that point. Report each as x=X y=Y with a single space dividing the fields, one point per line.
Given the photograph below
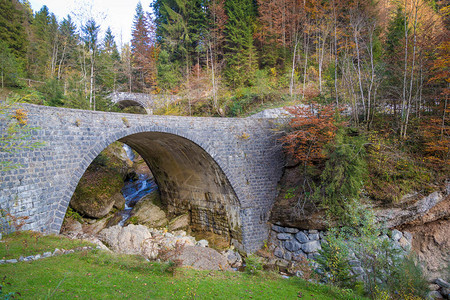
x=135 y=190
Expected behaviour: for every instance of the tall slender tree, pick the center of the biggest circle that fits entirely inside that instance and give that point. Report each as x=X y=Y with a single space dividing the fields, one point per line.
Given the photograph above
x=143 y=51
x=241 y=55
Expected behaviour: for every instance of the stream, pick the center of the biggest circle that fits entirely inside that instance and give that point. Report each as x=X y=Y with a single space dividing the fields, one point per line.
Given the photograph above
x=135 y=190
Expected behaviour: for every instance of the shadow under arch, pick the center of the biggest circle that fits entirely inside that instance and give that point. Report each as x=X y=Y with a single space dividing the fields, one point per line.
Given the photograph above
x=129 y=103
x=189 y=177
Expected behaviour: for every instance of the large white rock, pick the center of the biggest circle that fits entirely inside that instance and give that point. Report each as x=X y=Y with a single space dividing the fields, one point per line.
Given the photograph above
x=202 y=258
x=128 y=240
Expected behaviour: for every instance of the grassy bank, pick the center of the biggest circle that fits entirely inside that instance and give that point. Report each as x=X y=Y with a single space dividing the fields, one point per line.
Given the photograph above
x=100 y=275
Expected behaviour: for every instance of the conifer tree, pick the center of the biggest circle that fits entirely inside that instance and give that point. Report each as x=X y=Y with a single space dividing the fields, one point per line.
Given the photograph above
x=12 y=31
x=241 y=54
x=143 y=51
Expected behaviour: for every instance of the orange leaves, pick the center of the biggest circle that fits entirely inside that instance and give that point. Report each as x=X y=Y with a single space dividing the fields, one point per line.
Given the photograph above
x=312 y=127
x=436 y=134
x=21 y=116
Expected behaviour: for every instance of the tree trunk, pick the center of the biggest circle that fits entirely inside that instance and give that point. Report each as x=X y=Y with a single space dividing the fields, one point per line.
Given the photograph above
x=335 y=55
x=403 y=106
x=412 y=69
x=291 y=84
x=358 y=58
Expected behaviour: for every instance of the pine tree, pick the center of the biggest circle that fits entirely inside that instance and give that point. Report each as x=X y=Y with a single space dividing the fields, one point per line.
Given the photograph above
x=108 y=63
x=9 y=67
x=12 y=31
x=143 y=51
x=43 y=52
x=241 y=54
x=90 y=37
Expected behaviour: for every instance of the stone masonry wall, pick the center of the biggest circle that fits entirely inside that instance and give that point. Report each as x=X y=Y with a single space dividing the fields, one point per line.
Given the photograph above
x=245 y=150
x=293 y=244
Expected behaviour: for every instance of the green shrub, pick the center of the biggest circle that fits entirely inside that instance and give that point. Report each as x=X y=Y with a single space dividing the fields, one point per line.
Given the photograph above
x=253 y=264
x=334 y=262
x=342 y=180
x=389 y=273
x=71 y=214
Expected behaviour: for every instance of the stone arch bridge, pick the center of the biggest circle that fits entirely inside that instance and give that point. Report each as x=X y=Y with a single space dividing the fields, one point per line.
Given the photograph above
x=224 y=171
x=146 y=101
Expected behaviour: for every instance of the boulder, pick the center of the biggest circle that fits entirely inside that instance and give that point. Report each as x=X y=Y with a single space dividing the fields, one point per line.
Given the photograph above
x=401 y=214
x=313 y=236
x=179 y=223
x=291 y=230
x=119 y=201
x=95 y=227
x=299 y=255
x=127 y=240
x=147 y=212
x=233 y=257
x=202 y=243
x=93 y=207
x=405 y=244
x=71 y=227
x=201 y=258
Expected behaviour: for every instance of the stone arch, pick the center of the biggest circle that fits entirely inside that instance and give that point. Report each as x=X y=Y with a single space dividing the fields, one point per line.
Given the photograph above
x=127 y=103
x=123 y=100
x=190 y=175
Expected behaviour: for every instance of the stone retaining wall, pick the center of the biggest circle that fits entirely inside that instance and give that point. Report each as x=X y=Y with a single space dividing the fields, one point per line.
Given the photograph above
x=292 y=244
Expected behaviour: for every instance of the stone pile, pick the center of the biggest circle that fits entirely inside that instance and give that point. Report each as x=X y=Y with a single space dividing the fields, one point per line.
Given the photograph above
x=177 y=245
x=56 y=252
x=440 y=289
x=139 y=239
x=291 y=245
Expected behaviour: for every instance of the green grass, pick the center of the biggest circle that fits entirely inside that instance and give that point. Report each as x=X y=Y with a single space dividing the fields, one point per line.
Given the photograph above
x=25 y=243
x=100 y=275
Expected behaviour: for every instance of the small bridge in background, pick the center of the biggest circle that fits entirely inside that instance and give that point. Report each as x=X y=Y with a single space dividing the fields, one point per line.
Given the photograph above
x=146 y=101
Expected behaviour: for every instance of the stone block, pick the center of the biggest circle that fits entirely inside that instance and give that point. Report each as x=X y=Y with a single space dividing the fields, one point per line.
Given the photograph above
x=396 y=235
x=442 y=283
x=301 y=237
x=313 y=236
x=291 y=230
x=292 y=245
x=284 y=236
x=277 y=228
x=299 y=255
x=310 y=247
x=287 y=256
x=278 y=252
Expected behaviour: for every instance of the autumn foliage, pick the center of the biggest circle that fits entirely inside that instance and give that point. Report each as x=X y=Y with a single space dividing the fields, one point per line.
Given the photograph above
x=312 y=127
